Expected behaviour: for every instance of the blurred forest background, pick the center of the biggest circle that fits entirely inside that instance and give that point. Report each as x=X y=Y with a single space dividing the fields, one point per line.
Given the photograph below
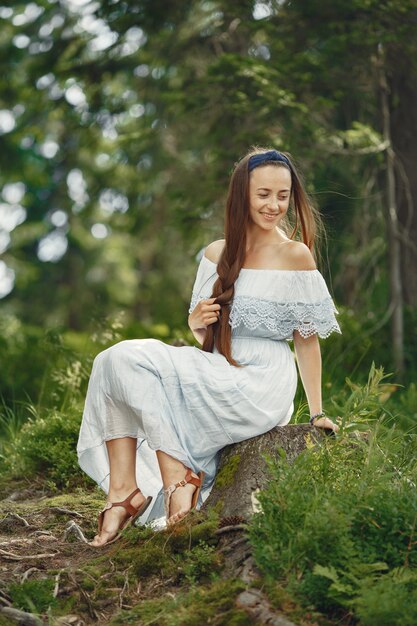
x=120 y=124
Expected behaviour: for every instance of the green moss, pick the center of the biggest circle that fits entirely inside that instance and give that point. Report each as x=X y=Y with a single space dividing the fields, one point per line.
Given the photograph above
x=87 y=503
x=214 y=604
x=164 y=554
x=34 y=596
x=187 y=534
x=218 y=507
x=152 y=560
x=5 y=621
x=88 y=584
x=96 y=567
x=86 y=500
x=227 y=473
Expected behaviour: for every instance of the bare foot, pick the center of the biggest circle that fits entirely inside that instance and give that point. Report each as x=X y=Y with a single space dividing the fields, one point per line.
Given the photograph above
x=113 y=518
x=181 y=500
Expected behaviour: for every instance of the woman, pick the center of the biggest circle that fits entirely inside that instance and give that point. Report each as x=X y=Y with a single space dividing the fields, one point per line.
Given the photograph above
x=156 y=412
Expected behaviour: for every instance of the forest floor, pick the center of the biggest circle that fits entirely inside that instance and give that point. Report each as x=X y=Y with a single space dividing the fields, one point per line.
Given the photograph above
x=198 y=572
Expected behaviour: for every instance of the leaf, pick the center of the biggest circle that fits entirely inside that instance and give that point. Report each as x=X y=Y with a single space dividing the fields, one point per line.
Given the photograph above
x=326 y=572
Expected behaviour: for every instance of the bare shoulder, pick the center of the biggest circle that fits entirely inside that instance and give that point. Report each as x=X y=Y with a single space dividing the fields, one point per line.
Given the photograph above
x=214 y=250
x=298 y=256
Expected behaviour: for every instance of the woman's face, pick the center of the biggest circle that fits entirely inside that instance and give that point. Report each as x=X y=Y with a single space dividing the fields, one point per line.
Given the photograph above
x=269 y=195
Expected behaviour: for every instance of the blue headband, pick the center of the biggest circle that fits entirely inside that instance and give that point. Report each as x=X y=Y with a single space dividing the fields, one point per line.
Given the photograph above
x=271 y=155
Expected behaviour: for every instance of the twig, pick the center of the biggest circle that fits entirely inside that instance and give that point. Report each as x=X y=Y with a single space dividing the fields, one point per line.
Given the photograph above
x=21 y=617
x=41 y=532
x=15 y=517
x=56 y=588
x=228 y=529
x=4 y=599
x=9 y=556
x=26 y=574
x=62 y=511
x=91 y=609
x=73 y=529
x=160 y=583
x=19 y=517
x=125 y=587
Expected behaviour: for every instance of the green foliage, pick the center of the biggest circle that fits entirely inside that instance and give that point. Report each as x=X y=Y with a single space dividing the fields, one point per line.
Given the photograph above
x=34 y=596
x=403 y=408
x=11 y=420
x=341 y=521
x=26 y=353
x=390 y=600
x=41 y=365
x=364 y=404
x=201 y=563
x=46 y=446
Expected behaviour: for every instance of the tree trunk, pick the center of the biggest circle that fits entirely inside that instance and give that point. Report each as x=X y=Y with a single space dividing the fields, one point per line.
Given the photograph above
x=393 y=227
x=402 y=83
x=243 y=471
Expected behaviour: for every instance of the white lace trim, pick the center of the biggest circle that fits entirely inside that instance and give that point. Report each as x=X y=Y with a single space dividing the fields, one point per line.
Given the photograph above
x=195 y=299
x=281 y=318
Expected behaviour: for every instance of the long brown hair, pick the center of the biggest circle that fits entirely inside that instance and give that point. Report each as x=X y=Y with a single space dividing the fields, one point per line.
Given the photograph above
x=306 y=225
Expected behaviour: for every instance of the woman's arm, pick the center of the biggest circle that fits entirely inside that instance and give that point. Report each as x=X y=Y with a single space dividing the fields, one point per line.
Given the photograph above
x=198 y=333
x=308 y=355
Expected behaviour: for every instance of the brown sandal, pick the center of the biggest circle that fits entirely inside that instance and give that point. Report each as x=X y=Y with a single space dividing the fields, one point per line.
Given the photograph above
x=133 y=514
x=171 y=488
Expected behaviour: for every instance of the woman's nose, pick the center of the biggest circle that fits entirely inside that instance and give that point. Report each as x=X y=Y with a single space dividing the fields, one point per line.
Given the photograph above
x=273 y=204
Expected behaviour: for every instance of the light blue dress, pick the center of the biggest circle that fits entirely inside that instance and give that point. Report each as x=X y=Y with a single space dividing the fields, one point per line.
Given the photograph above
x=190 y=403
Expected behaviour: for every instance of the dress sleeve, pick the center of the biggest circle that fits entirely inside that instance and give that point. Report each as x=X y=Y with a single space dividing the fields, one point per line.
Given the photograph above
x=203 y=283
x=309 y=307
x=273 y=304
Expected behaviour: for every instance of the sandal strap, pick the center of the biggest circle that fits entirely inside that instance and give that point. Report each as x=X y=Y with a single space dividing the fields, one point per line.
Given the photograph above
x=126 y=503
x=194 y=480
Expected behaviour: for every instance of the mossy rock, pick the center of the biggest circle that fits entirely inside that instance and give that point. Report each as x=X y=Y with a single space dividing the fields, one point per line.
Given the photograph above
x=243 y=468
x=226 y=474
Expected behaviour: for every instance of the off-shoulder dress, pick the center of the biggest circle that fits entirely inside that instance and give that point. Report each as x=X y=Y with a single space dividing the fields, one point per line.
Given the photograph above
x=190 y=403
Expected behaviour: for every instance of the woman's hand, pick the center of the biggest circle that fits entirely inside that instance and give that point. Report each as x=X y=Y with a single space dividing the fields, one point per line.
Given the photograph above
x=204 y=314
x=325 y=422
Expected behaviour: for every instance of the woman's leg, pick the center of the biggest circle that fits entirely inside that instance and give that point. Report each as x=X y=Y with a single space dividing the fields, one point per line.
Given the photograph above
x=122 y=458
x=172 y=471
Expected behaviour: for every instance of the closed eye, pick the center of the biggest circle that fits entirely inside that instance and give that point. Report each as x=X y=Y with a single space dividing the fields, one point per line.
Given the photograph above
x=266 y=195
